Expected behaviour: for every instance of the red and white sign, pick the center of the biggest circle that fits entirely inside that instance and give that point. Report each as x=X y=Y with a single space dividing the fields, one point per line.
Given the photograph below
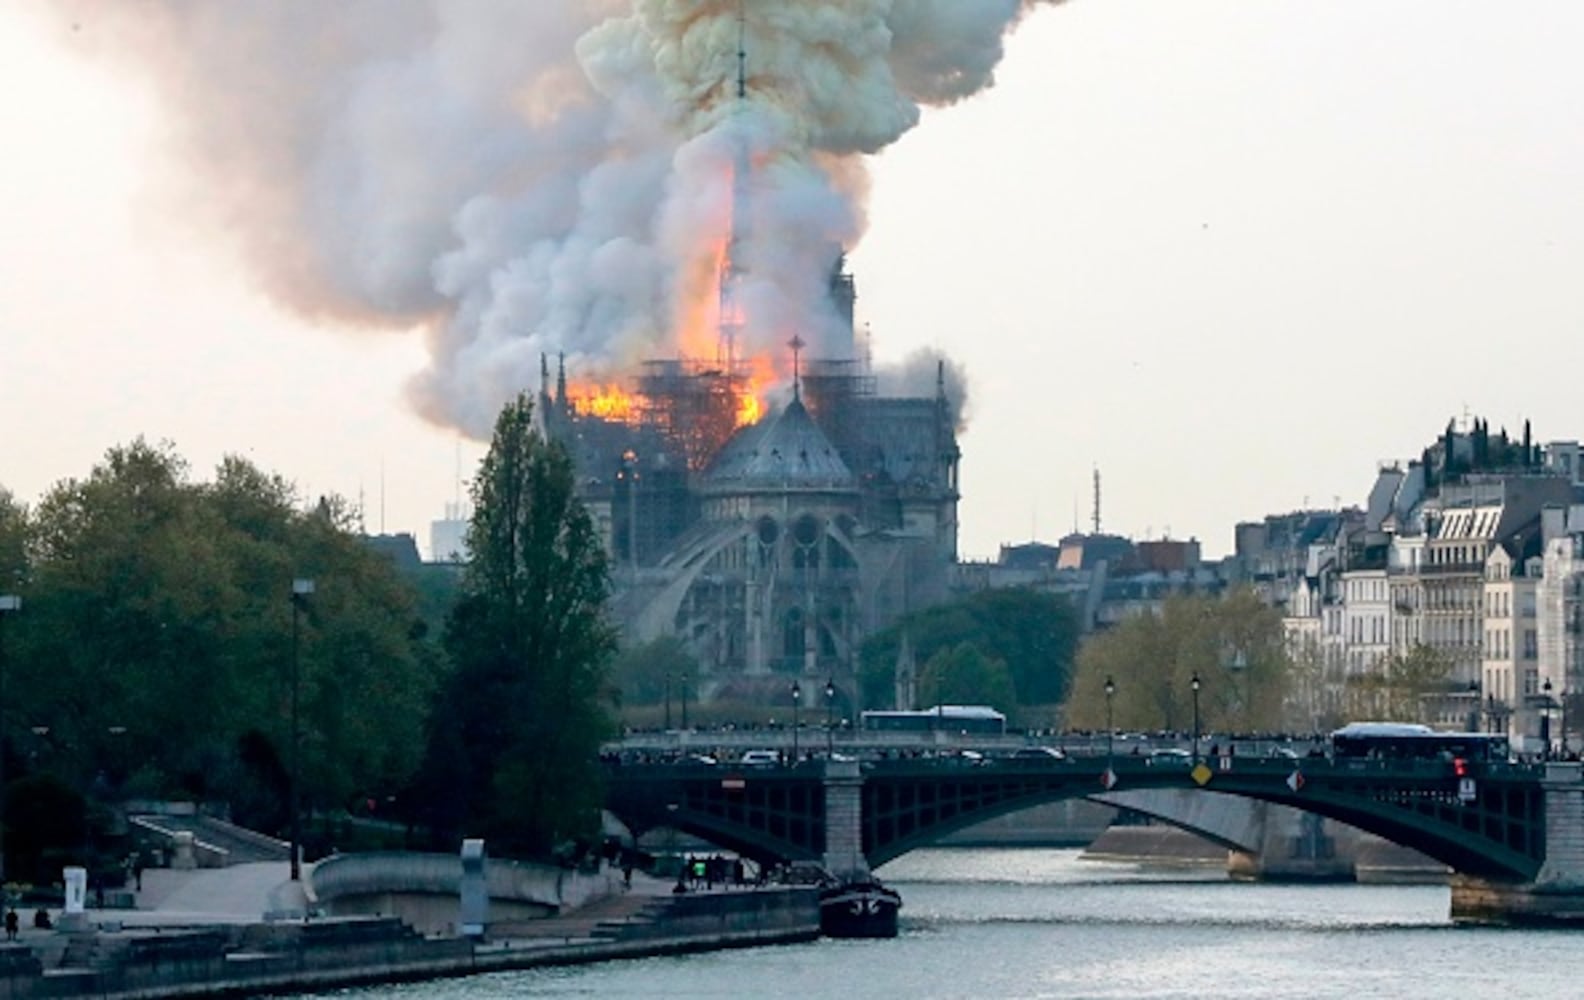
x=1295 y=780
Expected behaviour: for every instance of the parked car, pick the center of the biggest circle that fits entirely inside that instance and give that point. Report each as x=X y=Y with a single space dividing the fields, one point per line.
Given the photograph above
x=1169 y=756
x=759 y=758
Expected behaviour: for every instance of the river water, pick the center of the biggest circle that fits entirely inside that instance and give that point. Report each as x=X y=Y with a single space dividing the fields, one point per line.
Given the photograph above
x=1043 y=923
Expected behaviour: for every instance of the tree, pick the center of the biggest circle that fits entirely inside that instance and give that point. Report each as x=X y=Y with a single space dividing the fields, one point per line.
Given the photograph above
x=649 y=672
x=1234 y=644
x=156 y=641
x=962 y=675
x=515 y=743
x=14 y=530
x=1400 y=690
x=1034 y=634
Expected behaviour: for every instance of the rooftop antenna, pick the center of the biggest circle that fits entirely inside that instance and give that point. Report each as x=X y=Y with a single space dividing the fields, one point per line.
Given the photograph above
x=1097 y=500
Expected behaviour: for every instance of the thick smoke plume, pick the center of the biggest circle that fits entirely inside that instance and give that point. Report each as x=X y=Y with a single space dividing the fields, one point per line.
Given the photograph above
x=540 y=177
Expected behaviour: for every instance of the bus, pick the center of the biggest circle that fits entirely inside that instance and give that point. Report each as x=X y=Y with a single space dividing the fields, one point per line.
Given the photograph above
x=1410 y=741
x=978 y=719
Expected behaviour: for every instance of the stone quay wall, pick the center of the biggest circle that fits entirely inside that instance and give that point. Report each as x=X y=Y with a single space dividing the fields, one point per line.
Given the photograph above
x=249 y=960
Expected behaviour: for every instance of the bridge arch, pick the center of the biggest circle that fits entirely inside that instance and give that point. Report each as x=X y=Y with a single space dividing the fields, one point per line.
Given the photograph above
x=779 y=813
x=1500 y=835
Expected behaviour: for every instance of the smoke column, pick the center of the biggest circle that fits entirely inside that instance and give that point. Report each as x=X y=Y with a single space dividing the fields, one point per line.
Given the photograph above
x=539 y=177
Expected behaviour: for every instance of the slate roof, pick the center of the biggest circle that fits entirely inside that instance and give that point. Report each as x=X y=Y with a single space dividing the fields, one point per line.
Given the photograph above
x=787 y=451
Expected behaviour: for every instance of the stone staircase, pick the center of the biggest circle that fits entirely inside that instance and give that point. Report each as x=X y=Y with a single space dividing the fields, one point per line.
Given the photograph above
x=610 y=919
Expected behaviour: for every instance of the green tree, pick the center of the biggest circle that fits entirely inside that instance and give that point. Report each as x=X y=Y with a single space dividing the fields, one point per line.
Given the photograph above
x=1402 y=689
x=156 y=640
x=514 y=748
x=1234 y=644
x=14 y=532
x=1033 y=633
x=646 y=673
x=962 y=675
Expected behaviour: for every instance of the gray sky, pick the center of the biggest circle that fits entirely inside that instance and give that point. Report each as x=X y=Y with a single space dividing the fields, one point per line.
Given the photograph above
x=1231 y=253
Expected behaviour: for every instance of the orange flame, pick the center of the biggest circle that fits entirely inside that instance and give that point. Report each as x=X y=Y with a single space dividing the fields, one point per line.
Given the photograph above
x=610 y=402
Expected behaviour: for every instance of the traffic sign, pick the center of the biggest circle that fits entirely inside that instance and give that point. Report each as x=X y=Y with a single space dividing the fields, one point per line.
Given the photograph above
x=1295 y=780
x=1467 y=790
x=1108 y=779
x=1201 y=774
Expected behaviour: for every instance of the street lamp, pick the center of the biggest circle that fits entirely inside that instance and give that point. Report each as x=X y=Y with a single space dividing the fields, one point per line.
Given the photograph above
x=830 y=717
x=1562 y=701
x=1545 y=719
x=797 y=697
x=8 y=603
x=1237 y=664
x=684 y=700
x=301 y=590
x=1110 y=689
x=1193 y=682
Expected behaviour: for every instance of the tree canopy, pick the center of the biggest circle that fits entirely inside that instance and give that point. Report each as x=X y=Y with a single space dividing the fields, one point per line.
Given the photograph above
x=152 y=652
x=1234 y=644
x=1401 y=690
x=514 y=745
x=1033 y=634
x=962 y=675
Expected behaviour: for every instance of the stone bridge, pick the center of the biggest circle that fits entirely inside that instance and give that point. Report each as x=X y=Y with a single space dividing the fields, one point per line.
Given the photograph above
x=1513 y=834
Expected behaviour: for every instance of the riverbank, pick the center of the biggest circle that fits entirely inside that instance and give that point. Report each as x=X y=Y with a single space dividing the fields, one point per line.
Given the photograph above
x=1376 y=861
x=153 y=953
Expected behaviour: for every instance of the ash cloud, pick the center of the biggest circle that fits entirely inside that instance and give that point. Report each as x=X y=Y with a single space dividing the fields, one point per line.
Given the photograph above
x=552 y=176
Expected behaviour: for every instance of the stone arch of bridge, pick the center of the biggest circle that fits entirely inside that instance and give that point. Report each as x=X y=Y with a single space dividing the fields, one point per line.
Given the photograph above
x=780 y=814
x=1501 y=840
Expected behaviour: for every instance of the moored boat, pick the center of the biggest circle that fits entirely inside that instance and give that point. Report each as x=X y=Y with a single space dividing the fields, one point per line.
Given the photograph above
x=862 y=908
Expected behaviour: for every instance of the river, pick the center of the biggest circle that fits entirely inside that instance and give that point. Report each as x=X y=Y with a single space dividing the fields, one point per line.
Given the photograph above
x=1042 y=923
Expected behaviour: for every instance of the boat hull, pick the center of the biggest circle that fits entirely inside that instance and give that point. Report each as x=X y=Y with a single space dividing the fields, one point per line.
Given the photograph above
x=859 y=910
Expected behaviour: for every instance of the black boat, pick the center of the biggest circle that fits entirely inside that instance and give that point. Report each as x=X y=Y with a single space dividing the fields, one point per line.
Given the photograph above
x=862 y=908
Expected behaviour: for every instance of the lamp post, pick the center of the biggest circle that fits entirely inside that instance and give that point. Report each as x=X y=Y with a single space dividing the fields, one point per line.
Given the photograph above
x=668 y=701
x=1545 y=719
x=1110 y=689
x=8 y=603
x=1193 y=682
x=684 y=700
x=797 y=697
x=1237 y=664
x=830 y=717
x=1562 y=701
x=301 y=590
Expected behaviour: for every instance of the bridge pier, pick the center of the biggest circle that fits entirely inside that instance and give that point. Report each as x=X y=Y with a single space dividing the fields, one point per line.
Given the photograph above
x=1556 y=896
x=1294 y=846
x=844 y=855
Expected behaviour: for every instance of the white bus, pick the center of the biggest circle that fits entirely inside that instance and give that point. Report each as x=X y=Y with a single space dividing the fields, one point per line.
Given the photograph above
x=941 y=718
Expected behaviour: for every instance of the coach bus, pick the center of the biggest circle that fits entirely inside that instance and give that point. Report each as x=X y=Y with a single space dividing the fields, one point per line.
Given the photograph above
x=1410 y=741
x=942 y=718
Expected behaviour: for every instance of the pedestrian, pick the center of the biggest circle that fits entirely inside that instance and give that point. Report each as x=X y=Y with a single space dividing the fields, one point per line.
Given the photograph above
x=11 y=924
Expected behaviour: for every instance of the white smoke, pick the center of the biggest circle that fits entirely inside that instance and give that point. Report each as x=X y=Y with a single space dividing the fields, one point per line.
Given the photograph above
x=539 y=177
